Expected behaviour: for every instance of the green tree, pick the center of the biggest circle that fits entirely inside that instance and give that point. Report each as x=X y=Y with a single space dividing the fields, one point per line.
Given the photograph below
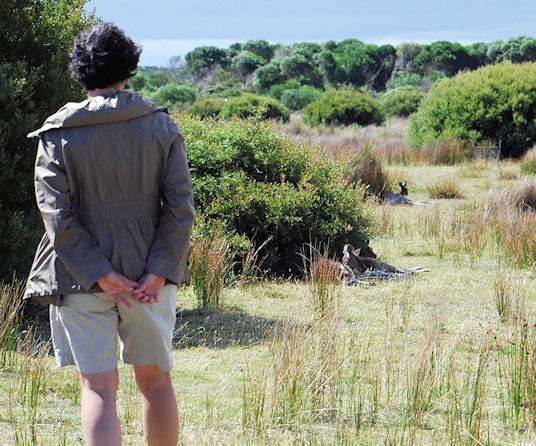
x=360 y=62
x=35 y=40
x=445 y=56
x=519 y=49
x=245 y=63
x=268 y=75
x=493 y=102
x=259 y=47
x=204 y=58
x=328 y=67
x=296 y=66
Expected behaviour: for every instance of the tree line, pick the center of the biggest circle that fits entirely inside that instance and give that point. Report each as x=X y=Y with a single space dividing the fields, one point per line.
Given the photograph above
x=264 y=68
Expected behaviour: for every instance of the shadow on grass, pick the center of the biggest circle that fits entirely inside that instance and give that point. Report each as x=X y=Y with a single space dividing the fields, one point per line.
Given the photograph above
x=220 y=328
x=216 y=329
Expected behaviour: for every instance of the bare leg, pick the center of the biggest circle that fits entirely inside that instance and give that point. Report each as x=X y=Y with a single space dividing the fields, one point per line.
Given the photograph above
x=160 y=413
x=99 y=416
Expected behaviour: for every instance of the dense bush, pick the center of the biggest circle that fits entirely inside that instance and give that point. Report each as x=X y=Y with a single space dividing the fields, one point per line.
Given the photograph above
x=250 y=105
x=206 y=107
x=35 y=39
x=278 y=90
x=260 y=184
x=174 y=94
x=245 y=62
x=493 y=102
x=268 y=75
x=297 y=98
x=402 y=79
x=401 y=102
x=344 y=107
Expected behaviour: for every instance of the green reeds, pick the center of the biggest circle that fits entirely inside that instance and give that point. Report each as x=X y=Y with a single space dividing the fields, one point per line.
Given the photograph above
x=251 y=265
x=210 y=267
x=502 y=292
x=324 y=277
x=10 y=319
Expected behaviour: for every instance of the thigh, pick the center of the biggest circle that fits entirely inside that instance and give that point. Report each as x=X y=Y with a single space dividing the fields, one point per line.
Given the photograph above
x=90 y=323
x=146 y=330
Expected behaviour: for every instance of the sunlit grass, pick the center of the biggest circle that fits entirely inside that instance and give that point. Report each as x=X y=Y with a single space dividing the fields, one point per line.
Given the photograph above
x=446 y=357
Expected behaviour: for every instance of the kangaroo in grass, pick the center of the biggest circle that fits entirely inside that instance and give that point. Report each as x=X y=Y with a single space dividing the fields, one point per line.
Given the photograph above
x=401 y=198
x=359 y=267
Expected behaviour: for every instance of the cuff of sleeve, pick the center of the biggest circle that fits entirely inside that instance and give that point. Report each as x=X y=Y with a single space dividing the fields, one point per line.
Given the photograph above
x=169 y=275
x=91 y=278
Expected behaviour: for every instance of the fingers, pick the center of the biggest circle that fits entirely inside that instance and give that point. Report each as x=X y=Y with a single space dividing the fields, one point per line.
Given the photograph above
x=129 y=284
x=148 y=299
x=120 y=299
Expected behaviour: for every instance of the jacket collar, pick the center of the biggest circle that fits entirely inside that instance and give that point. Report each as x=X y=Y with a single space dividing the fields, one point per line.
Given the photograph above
x=119 y=106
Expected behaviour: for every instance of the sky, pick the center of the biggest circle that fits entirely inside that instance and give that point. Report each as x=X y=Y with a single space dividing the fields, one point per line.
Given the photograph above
x=167 y=28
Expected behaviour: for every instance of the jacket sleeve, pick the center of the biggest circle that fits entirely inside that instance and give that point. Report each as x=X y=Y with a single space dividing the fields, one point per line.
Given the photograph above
x=169 y=251
x=74 y=246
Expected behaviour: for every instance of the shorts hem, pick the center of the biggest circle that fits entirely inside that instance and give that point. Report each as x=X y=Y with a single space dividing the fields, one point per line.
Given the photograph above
x=165 y=366
x=104 y=365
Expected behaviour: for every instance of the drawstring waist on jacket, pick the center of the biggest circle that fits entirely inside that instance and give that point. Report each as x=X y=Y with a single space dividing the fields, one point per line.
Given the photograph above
x=89 y=215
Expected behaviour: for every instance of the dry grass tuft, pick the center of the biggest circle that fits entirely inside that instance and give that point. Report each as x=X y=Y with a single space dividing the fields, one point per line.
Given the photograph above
x=366 y=168
x=528 y=162
x=447 y=187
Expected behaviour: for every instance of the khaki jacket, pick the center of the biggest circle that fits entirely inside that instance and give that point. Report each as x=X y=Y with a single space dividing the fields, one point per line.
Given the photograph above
x=114 y=190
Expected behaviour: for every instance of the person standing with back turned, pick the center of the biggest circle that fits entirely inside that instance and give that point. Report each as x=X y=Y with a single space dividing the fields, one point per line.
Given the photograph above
x=114 y=190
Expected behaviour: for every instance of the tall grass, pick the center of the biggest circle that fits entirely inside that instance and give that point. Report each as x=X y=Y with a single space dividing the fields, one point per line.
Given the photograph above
x=299 y=384
x=528 y=162
x=324 y=277
x=366 y=168
x=447 y=187
x=22 y=355
x=388 y=142
x=10 y=318
x=210 y=267
x=503 y=290
x=251 y=265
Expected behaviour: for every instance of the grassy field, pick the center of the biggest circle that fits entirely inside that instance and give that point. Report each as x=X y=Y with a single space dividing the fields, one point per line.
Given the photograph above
x=446 y=357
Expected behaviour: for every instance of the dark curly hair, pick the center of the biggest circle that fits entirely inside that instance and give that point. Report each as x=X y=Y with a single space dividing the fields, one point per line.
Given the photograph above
x=103 y=55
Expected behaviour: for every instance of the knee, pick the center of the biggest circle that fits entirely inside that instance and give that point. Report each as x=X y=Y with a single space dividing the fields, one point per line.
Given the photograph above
x=104 y=384
x=151 y=379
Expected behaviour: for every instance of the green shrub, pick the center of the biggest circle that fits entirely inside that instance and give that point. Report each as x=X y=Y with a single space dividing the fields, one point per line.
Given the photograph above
x=268 y=75
x=174 y=94
x=402 y=79
x=494 y=102
x=249 y=105
x=402 y=101
x=206 y=107
x=344 y=107
x=297 y=98
x=277 y=91
x=259 y=184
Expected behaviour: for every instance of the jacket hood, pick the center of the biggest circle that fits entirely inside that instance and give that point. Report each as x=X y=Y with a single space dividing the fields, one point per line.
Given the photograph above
x=119 y=106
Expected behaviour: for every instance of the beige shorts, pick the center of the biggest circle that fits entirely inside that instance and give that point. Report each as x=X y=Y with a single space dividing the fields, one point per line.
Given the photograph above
x=85 y=329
